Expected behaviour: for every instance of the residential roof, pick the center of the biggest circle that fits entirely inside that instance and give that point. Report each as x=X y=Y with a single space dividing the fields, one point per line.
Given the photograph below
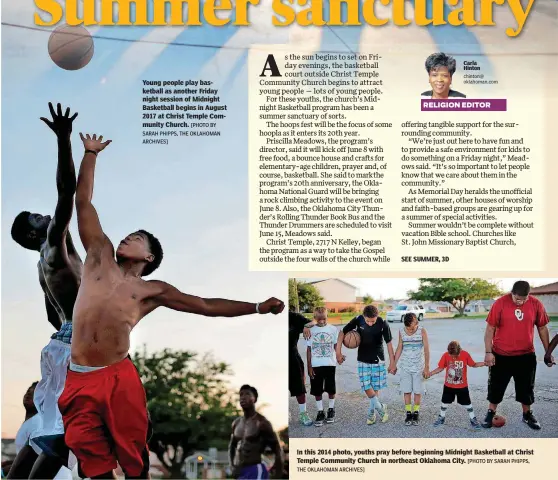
x=338 y=279
x=549 y=289
x=222 y=456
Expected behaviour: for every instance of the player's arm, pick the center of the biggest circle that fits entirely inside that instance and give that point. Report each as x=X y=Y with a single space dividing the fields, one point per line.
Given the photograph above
x=90 y=231
x=441 y=366
x=346 y=329
x=300 y=322
x=399 y=349
x=488 y=336
x=52 y=315
x=166 y=295
x=270 y=439
x=232 y=445
x=548 y=358
x=544 y=334
x=426 y=344
x=309 y=359
x=61 y=125
x=492 y=322
x=386 y=332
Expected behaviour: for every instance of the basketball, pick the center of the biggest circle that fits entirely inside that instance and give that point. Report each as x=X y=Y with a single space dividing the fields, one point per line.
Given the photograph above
x=352 y=339
x=71 y=48
x=498 y=421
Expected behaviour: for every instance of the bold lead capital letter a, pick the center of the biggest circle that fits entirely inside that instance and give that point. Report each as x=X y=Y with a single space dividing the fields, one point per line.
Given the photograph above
x=271 y=65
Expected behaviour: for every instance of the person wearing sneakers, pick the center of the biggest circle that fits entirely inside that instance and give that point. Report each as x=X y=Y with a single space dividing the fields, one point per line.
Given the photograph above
x=373 y=331
x=321 y=360
x=413 y=356
x=298 y=324
x=455 y=362
x=510 y=351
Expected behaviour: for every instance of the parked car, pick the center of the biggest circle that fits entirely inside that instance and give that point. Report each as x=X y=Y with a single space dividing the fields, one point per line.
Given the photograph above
x=399 y=312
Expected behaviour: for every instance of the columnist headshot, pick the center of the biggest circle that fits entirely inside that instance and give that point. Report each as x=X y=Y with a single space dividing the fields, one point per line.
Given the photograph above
x=440 y=68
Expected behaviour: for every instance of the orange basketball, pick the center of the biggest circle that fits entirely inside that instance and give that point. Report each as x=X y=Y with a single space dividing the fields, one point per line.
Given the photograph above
x=352 y=339
x=498 y=421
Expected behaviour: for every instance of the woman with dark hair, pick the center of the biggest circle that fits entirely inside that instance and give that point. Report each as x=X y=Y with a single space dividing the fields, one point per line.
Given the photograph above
x=440 y=68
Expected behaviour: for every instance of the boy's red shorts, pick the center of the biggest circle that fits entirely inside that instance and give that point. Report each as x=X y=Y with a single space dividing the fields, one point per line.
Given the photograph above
x=105 y=419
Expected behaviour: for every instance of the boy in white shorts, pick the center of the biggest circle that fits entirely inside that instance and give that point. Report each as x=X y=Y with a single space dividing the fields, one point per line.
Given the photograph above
x=59 y=269
x=412 y=358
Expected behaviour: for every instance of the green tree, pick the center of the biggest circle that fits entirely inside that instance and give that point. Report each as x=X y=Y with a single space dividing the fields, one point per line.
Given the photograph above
x=190 y=401
x=367 y=299
x=308 y=296
x=457 y=291
x=293 y=295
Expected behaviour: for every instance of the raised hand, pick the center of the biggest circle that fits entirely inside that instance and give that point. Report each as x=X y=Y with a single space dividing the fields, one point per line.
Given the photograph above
x=93 y=143
x=60 y=124
x=271 y=305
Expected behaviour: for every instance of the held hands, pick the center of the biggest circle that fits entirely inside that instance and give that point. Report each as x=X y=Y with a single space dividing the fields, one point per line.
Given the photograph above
x=60 y=124
x=95 y=144
x=392 y=369
x=549 y=360
x=426 y=372
x=489 y=360
x=271 y=305
x=340 y=358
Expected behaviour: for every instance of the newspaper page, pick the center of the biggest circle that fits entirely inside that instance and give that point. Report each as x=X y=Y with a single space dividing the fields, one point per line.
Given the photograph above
x=206 y=204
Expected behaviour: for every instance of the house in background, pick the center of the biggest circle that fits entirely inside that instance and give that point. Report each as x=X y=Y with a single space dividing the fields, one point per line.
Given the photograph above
x=479 y=306
x=439 y=307
x=548 y=295
x=207 y=464
x=338 y=295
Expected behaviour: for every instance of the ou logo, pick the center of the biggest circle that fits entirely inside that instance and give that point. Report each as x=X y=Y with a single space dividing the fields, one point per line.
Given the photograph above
x=518 y=314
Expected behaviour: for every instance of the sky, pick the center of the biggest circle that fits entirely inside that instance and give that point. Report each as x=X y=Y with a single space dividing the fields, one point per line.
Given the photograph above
x=397 y=288
x=192 y=194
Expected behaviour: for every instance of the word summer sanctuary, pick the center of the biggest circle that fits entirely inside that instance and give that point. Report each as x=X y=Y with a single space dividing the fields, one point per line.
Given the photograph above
x=308 y=12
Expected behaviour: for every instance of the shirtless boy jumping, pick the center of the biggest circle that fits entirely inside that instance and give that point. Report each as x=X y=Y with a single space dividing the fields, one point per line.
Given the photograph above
x=59 y=271
x=104 y=404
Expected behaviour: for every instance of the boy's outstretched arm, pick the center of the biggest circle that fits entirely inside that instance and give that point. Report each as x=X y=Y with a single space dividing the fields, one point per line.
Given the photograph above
x=438 y=370
x=89 y=226
x=61 y=125
x=478 y=364
x=165 y=295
